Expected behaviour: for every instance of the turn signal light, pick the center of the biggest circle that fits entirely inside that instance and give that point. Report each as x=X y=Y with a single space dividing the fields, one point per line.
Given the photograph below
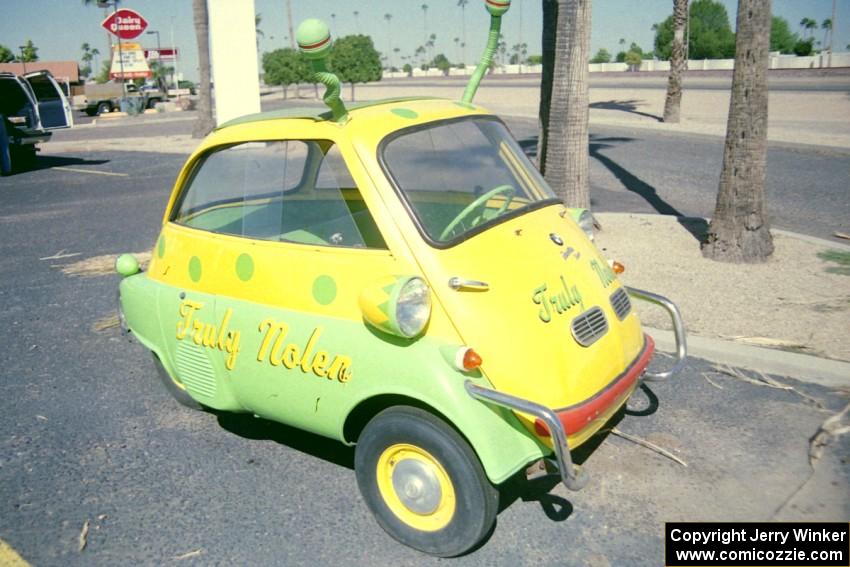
x=467 y=359
x=617 y=267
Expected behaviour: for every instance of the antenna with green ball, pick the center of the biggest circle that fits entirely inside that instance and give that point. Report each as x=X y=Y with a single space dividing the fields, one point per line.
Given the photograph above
x=497 y=8
x=314 y=40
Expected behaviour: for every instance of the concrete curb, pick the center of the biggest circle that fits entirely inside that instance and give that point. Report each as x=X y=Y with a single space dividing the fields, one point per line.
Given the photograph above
x=787 y=233
x=806 y=368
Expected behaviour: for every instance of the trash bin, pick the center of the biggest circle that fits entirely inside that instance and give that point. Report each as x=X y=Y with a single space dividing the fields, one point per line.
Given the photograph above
x=132 y=105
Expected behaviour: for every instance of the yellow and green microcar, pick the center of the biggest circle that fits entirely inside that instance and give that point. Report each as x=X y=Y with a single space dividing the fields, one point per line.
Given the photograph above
x=399 y=277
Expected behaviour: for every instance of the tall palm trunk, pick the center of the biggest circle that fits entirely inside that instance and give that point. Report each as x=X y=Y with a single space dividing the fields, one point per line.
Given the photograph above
x=563 y=153
x=204 y=123
x=739 y=231
x=673 y=102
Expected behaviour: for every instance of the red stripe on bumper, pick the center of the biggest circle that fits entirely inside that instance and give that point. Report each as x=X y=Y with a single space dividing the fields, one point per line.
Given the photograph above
x=577 y=417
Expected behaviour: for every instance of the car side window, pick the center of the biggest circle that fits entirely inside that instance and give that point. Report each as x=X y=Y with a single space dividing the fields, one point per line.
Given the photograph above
x=294 y=190
x=43 y=88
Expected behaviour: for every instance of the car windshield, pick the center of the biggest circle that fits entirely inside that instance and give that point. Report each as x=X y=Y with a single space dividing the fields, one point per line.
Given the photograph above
x=460 y=177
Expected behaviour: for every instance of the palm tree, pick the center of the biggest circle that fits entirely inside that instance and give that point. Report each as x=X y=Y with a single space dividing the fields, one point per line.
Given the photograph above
x=258 y=17
x=95 y=52
x=430 y=45
x=739 y=230
x=563 y=150
x=457 y=45
x=809 y=25
x=356 y=21
x=425 y=21
x=673 y=101
x=204 y=123
x=388 y=17
x=502 y=48
x=826 y=26
x=462 y=4
x=333 y=25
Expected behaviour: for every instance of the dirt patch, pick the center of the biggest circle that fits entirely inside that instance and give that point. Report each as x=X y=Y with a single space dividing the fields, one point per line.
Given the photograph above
x=100 y=265
x=796 y=301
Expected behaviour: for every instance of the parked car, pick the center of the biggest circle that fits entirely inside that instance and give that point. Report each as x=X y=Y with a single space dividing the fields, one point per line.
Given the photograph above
x=106 y=97
x=31 y=107
x=399 y=277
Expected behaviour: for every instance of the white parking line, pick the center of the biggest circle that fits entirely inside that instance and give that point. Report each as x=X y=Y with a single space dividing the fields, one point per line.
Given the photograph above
x=75 y=170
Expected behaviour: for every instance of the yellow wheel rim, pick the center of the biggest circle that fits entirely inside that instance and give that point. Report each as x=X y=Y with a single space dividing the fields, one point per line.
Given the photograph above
x=416 y=487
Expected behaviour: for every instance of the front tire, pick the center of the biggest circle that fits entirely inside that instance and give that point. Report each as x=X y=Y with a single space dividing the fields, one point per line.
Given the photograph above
x=424 y=483
x=103 y=108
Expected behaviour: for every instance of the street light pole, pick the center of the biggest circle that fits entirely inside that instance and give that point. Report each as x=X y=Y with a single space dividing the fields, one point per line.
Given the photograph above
x=23 y=59
x=158 y=48
x=158 y=54
x=174 y=47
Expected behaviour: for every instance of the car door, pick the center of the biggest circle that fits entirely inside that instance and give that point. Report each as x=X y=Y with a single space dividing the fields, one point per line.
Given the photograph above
x=281 y=237
x=53 y=106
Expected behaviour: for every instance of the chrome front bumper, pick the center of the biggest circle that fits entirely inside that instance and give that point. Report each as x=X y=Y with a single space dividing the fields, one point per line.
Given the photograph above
x=573 y=478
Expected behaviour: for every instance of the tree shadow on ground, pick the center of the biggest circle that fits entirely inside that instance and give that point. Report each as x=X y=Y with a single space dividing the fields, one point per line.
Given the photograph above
x=250 y=427
x=696 y=226
x=629 y=106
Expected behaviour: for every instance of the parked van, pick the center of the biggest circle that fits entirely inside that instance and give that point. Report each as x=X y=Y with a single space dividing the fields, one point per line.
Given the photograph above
x=31 y=107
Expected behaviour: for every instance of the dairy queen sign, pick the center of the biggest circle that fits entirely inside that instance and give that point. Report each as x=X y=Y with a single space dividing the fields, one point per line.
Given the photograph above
x=125 y=23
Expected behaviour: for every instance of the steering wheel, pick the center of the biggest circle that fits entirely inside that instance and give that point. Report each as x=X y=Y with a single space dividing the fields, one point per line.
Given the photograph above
x=477 y=207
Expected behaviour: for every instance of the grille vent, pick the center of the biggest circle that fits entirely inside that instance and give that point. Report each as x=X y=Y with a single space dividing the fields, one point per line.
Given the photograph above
x=590 y=326
x=621 y=303
x=194 y=370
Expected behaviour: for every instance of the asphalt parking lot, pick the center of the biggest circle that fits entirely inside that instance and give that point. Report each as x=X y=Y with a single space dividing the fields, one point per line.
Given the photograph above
x=90 y=438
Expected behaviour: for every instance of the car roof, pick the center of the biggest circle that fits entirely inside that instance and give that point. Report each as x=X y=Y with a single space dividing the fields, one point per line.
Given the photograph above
x=323 y=114
x=368 y=123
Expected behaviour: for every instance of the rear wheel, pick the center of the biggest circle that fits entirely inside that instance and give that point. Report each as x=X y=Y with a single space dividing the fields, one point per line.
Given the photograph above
x=424 y=483
x=103 y=108
x=176 y=391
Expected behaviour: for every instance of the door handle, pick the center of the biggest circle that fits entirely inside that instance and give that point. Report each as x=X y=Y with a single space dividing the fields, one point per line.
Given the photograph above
x=457 y=284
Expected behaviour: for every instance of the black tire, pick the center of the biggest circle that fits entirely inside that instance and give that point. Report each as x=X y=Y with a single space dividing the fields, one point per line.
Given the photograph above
x=91 y=112
x=24 y=157
x=380 y=452
x=152 y=102
x=178 y=393
x=103 y=108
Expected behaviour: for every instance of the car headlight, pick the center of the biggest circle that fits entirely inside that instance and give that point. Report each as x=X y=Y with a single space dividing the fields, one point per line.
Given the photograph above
x=399 y=306
x=584 y=220
x=413 y=307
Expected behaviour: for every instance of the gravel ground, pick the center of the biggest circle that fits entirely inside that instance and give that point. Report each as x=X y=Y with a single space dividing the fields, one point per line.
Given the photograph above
x=795 y=301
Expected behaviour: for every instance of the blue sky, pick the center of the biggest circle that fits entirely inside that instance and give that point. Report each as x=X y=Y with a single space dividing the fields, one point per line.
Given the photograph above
x=59 y=27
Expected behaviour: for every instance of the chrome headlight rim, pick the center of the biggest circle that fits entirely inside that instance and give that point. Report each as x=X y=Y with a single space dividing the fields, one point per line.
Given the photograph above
x=412 y=307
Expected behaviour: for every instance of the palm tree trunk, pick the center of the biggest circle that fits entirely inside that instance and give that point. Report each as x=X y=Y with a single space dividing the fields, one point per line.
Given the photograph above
x=550 y=21
x=204 y=123
x=673 y=102
x=565 y=155
x=739 y=230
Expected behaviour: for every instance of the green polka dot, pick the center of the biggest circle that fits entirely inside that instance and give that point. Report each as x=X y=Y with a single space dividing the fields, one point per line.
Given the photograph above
x=405 y=113
x=160 y=247
x=466 y=105
x=195 y=269
x=244 y=267
x=324 y=290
